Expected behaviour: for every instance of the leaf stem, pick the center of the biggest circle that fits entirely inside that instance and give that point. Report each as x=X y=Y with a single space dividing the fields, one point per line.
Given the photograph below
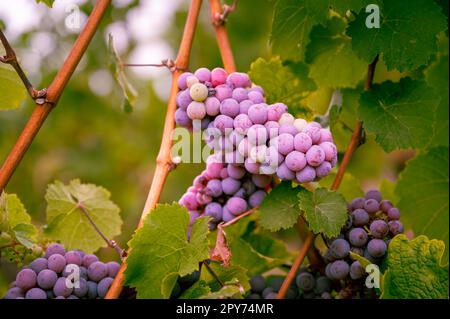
x=212 y=272
x=164 y=162
x=41 y=111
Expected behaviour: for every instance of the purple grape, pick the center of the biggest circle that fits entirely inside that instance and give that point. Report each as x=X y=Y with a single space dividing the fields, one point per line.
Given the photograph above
x=36 y=293
x=213 y=210
x=182 y=118
x=329 y=149
x=239 y=94
x=258 y=113
x=313 y=130
x=305 y=281
x=295 y=161
x=257 y=135
x=358 y=203
x=14 y=293
x=230 y=185
x=218 y=76
x=236 y=172
x=379 y=228
x=203 y=199
x=73 y=257
x=229 y=107
x=56 y=262
x=360 y=217
x=275 y=111
x=249 y=187
x=348 y=224
x=92 y=290
x=339 y=248
x=196 y=110
x=103 y=286
x=97 y=271
x=188 y=200
x=224 y=173
x=183 y=99
x=242 y=123
x=182 y=85
x=38 y=265
x=306 y=175
x=55 y=249
x=315 y=156
x=356 y=270
x=226 y=215
x=284 y=143
x=386 y=205
x=261 y=181
x=394 y=214
x=82 y=289
x=61 y=289
x=284 y=173
x=395 y=227
x=46 y=279
x=288 y=129
x=302 y=142
x=357 y=250
x=357 y=237
x=223 y=92
x=325 y=136
x=88 y=259
x=258 y=283
x=323 y=169
x=213 y=170
x=373 y=194
x=256 y=97
x=256 y=198
x=203 y=74
x=371 y=206
x=113 y=268
x=223 y=123
x=212 y=106
x=244 y=106
x=214 y=188
x=236 y=206
x=83 y=272
x=339 y=269
x=376 y=247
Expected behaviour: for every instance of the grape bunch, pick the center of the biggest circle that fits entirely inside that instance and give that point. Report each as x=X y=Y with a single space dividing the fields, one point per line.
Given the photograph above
x=372 y=223
x=252 y=142
x=63 y=275
x=308 y=284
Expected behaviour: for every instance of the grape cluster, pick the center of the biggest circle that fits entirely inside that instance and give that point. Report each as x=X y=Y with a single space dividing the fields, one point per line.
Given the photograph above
x=53 y=276
x=252 y=142
x=372 y=223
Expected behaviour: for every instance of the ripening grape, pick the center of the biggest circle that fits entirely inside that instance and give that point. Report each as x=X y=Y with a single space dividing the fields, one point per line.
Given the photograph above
x=339 y=269
x=26 y=279
x=256 y=198
x=315 y=155
x=88 y=259
x=203 y=74
x=373 y=194
x=55 y=249
x=38 y=265
x=393 y=213
x=236 y=205
x=339 y=248
x=103 y=286
x=358 y=237
x=46 y=279
x=360 y=217
x=306 y=175
x=61 y=288
x=295 y=161
x=376 y=247
x=73 y=257
x=35 y=293
x=395 y=227
x=371 y=206
x=379 y=228
x=196 y=110
x=97 y=271
x=258 y=113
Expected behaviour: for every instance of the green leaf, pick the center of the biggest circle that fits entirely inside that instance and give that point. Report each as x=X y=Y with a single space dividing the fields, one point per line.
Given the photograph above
x=49 y=3
x=342 y=6
x=282 y=83
x=25 y=234
x=226 y=292
x=12 y=91
x=363 y=261
x=292 y=23
x=423 y=192
x=128 y=90
x=279 y=209
x=387 y=188
x=68 y=223
x=414 y=269
x=406 y=37
x=400 y=114
x=332 y=60
x=360 y=167
x=350 y=187
x=198 y=289
x=324 y=210
x=437 y=77
x=161 y=247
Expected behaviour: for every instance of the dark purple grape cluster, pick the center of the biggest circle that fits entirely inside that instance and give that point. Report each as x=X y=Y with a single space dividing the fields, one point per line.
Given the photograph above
x=252 y=142
x=63 y=275
x=372 y=223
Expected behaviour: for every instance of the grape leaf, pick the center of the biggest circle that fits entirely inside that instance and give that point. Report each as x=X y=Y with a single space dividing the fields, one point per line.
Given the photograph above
x=423 y=192
x=198 y=289
x=292 y=23
x=360 y=167
x=350 y=187
x=162 y=247
x=67 y=221
x=414 y=269
x=128 y=90
x=437 y=77
x=324 y=210
x=387 y=188
x=12 y=91
x=279 y=209
x=406 y=37
x=282 y=83
x=341 y=6
x=49 y=3
x=400 y=114
x=226 y=292
x=332 y=60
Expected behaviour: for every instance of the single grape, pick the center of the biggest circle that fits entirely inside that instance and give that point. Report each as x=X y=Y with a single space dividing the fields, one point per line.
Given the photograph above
x=371 y=206
x=275 y=111
x=325 y=136
x=35 y=293
x=242 y=123
x=339 y=269
x=386 y=205
x=302 y=142
x=203 y=74
x=394 y=214
x=315 y=156
x=357 y=237
x=286 y=118
x=358 y=203
x=295 y=161
x=376 y=247
x=258 y=153
x=323 y=284
x=26 y=279
x=61 y=288
x=356 y=270
x=223 y=92
x=113 y=268
x=357 y=250
x=182 y=118
x=305 y=281
x=360 y=217
x=103 y=286
x=236 y=205
x=395 y=227
x=189 y=200
x=257 y=283
x=223 y=123
x=213 y=210
x=213 y=170
x=46 y=279
x=258 y=113
x=183 y=99
x=212 y=106
x=196 y=110
x=284 y=173
x=329 y=149
x=300 y=124
x=214 y=188
x=261 y=181
x=14 y=293
x=73 y=257
x=88 y=259
x=238 y=80
x=239 y=94
x=313 y=130
x=255 y=97
x=272 y=128
x=230 y=185
x=306 y=175
x=227 y=215
x=191 y=80
x=339 y=248
x=182 y=84
x=251 y=166
x=229 y=107
x=82 y=289
x=323 y=169
x=284 y=143
x=97 y=271
x=288 y=129
x=379 y=228
x=92 y=290
x=55 y=249
x=373 y=194
x=218 y=76
x=244 y=106
x=38 y=265
x=256 y=198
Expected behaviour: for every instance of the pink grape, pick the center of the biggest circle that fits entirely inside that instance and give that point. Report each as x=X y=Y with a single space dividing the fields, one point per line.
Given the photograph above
x=223 y=123
x=244 y=106
x=323 y=169
x=239 y=94
x=183 y=99
x=284 y=173
x=313 y=131
x=302 y=142
x=306 y=175
x=295 y=161
x=273 y=158
x=230 y=185
x=257 y=135
x=287 y=128
x=237 y=79
x=272 y=128
x=256 y=198
x=325 y=136
x=214 y=188
x=236 y=205
x=235 y=137
x=189 y=201
x=223 y=92
x=257 y=88
x=315 y=155
x=213 y=170
x=212 y=105
x=236 y=172
x=258 y=113
x=182 y=118
x=285 y=143
x=242 y=123
x=329 y=149
x=251 y=166
x=243 y=147
x=229 y=107
x=203 y=74
x=256 y=97
x=275 y=111
x=261 y=181
x=196 y=110
x=182 y=80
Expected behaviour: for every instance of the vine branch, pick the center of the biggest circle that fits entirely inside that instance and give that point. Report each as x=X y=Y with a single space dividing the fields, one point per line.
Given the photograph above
x=164 y=162
x=41 y=111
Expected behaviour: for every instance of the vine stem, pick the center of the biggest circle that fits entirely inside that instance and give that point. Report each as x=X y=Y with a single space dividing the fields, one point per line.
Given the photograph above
x=352 y=146
x=41 y=111
x=222 y=36
x=164 y=162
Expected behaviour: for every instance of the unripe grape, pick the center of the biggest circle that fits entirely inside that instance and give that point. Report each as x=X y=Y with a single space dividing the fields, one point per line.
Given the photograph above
x=300 y=124
x=286 y=118
x=196 y=110
x=191 y=80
